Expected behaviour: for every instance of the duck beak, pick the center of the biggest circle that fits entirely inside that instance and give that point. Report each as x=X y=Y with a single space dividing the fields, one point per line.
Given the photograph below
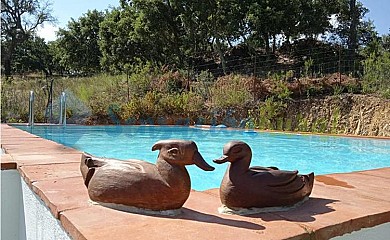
x=201 y=163
x=221 y=160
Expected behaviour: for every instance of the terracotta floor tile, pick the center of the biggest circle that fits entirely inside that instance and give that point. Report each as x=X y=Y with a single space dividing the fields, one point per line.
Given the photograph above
x=62 y=194
x=333 y=211
x=18 y=141
x=193 y=223
x=36 y=159
x=7 y=162
x=364 y=185
x=41 y=148
x=382 y=172
x=34 y=173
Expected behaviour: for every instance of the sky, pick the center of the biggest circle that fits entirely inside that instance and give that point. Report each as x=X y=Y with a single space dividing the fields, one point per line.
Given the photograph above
x=64 y=10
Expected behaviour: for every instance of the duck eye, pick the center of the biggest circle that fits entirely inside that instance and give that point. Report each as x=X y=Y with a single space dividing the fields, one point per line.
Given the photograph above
x=173 y=151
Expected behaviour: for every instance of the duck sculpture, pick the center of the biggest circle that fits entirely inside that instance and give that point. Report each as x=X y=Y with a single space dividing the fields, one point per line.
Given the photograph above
x=162 y=186
x=245 y=187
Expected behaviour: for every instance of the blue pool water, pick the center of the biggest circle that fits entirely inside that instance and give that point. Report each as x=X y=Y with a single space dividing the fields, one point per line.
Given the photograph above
x=306 y=153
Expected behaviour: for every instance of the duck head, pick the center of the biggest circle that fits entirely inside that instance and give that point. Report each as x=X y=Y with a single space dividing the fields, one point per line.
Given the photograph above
x=181 y=152
x=235 y=150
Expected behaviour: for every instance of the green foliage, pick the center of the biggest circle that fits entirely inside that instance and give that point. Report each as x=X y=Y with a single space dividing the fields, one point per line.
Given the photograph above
x=184 y=104
x=335 y=120
x=288 y=125
x=230 y=91
x=155 y=105
x=338 y=89
x=377 y=74
x=270 y=114
x=169 y=81
x=302 y=124
x=280 y=89
x=352 y=30
x=78 y=45
x=140 y=79
x=319 y=125
x=308 y=65
x=250 y=124
x=203 y=83
x=20 y=20
x=32 y=55
x=116 y=41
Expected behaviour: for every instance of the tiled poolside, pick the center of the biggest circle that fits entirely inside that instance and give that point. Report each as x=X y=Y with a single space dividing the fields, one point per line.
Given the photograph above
x=340 y=203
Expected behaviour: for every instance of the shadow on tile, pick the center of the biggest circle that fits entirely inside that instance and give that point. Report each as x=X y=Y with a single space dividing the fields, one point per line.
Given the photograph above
x=304 y=213
x=192 y=215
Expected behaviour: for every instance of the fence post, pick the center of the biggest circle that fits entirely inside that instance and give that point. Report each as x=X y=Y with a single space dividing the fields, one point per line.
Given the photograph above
x=31 y=109
x=340 y=65
x=62 y=119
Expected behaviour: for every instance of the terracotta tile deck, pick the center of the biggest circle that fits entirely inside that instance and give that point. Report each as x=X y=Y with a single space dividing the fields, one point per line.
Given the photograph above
x=340 y=203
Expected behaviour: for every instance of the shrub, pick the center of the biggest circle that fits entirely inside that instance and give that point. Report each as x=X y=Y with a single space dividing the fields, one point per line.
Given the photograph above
x=139 y=81
x=270 y=114
x=203 y=83
x=230 y=91
x=377 y=74
x=170 y=81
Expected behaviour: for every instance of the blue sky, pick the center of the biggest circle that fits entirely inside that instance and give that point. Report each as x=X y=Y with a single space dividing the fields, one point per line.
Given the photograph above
x=64 y=10
x=379 y=13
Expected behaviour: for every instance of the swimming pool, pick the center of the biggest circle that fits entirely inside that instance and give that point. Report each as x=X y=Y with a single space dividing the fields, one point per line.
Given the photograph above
x=306 y=153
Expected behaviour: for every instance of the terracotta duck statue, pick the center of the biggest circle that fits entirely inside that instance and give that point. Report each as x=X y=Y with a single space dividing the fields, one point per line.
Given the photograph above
x=162 y=186
x=259 y=187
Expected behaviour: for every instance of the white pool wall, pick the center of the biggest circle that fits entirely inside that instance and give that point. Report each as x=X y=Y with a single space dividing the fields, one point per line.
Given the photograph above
x=23 y=214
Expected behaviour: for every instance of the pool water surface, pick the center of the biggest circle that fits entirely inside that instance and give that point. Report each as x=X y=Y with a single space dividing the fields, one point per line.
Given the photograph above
x=306 y=153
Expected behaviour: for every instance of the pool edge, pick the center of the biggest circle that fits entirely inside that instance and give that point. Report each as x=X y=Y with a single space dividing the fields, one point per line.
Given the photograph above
x=46 y=175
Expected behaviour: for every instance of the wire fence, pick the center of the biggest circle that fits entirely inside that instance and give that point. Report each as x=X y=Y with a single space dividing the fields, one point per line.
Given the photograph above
x=311 y=63
x=290 y=67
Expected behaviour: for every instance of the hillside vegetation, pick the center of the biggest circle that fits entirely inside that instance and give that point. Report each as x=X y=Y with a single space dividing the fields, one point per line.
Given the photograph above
x=254 y=64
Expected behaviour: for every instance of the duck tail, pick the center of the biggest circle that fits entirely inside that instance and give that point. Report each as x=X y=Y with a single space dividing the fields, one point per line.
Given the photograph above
x=309 y=179
x=88 y=166
x=86 y=171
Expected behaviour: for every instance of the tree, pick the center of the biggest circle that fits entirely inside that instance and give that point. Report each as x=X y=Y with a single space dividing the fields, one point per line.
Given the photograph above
x=386 y=42
x=20 y=19
x=32 y=55
x=351 y=29
x=315 y=17
x=79 y=43
x=173 y=32
x=270 y=20
x=116 y=43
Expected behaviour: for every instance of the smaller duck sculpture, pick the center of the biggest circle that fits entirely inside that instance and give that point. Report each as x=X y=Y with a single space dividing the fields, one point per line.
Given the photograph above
x=245 y=187
x=139 y=184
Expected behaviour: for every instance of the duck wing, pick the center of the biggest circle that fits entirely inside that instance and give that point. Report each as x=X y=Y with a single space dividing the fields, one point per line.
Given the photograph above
x=259 y=168
x=279 y=181
x=90 y=164
x=286 y=182
x=130 y=166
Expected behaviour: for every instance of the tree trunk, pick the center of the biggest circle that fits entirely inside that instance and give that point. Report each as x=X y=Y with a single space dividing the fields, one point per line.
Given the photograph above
x=352 y=41
x=353 y=38
x=7 y=66
x=220 y=54
x=266 y=40
x=274 y=43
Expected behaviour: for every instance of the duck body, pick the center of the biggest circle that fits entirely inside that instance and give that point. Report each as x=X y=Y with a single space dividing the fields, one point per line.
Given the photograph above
x=162 y=186
x=259 y=187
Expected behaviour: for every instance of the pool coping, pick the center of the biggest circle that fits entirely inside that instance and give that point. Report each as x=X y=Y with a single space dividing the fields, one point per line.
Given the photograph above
x=340 y=203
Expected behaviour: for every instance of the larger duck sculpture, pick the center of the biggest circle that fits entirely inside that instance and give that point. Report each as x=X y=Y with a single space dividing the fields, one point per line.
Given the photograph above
x=139 y=184
x=245 y=187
